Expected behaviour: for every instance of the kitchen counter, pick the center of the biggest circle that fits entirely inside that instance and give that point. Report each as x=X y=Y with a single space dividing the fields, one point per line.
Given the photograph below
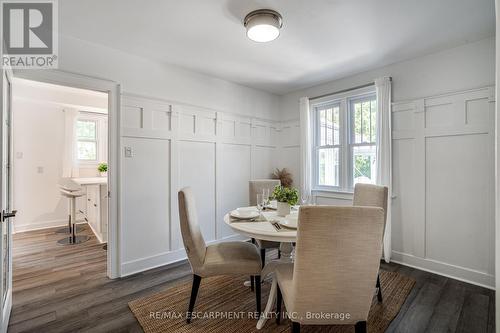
x=75 y=184
x=91 y=181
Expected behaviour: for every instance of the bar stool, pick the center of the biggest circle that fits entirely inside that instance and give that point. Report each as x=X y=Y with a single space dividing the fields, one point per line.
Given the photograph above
x=73 y=238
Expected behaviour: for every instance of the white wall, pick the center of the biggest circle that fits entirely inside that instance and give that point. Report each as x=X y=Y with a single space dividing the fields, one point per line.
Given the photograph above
x=443 y=162
x=38 y=149
x=468 y=66
x=141 y=76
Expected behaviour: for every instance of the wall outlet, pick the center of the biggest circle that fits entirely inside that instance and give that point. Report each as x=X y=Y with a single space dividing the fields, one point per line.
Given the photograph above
x=128 y=151
x=39 y=169
x=19 y=155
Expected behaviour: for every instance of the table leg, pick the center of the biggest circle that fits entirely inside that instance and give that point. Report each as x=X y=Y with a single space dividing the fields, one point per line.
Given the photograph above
x=286 y=257
x=269 y=306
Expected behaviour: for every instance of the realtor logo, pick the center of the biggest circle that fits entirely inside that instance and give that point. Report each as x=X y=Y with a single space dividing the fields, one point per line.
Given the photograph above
x=29 y=34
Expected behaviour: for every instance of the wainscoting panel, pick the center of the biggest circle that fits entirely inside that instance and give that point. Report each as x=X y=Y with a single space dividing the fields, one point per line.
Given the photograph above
x=232 y=186
x=263 y=161
x=403 y=202
x=460 y=200
x=197 y=169
x=172 y=146
x=145 y=199
x=443 y=194
x=289 y=152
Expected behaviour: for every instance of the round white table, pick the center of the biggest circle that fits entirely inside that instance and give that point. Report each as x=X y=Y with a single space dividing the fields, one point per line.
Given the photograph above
x=266 y=231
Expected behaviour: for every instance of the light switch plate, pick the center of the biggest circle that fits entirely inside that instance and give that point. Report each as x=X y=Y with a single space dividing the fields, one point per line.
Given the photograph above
x=128 y=151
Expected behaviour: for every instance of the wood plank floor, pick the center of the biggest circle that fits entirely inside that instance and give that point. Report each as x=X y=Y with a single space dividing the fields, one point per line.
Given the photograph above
x=65 y=289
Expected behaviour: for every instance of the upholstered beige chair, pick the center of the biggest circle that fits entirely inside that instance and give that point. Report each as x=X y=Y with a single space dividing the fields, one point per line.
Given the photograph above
x=255 y=187
x=336 y=264
x=372 y=196
x=229 y=258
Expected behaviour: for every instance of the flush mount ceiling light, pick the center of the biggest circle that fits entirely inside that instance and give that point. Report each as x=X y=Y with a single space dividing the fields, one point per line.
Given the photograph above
x=263 y=25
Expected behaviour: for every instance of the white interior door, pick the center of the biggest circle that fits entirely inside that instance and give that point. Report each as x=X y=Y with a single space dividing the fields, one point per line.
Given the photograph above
x=6 y=215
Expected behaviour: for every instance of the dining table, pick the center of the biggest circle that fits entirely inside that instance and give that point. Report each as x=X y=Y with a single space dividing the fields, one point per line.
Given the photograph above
x=270 y=227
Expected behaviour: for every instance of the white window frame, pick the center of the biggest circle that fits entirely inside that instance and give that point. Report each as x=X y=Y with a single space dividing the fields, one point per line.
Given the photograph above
x=101 y=144
x=345 y=136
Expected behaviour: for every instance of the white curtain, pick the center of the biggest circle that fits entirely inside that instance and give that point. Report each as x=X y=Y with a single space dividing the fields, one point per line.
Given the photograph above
x=305 y=147
x=384 y=151
x=70 y=161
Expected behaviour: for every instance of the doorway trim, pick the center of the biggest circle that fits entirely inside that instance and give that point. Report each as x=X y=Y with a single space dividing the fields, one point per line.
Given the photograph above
x=113 y=90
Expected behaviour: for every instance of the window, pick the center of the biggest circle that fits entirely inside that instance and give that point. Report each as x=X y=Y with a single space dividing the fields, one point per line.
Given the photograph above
x=344 y=141
x=86 y=133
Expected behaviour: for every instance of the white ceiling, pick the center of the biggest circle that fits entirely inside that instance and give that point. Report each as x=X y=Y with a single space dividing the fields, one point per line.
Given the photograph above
x=320 y=40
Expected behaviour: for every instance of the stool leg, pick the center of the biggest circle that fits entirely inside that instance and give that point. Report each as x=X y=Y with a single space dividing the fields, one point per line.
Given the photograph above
x=73 y=219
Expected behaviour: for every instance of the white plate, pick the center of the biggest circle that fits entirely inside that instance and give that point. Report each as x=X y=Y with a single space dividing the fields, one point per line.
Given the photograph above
x=244 y=214
x=289 y=223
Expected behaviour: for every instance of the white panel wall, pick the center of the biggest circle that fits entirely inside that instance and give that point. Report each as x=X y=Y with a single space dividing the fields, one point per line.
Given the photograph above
x=197 y=169
x=290 y=149
x=173 y=146
x=145 y=198
x=235 y=173
x=443 y=194
x=443 y=190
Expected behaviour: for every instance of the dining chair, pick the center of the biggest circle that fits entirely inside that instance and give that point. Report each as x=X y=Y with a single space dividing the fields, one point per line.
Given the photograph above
x=226 y=258
x=372 y=196
x=256 y=186
x=337 y=257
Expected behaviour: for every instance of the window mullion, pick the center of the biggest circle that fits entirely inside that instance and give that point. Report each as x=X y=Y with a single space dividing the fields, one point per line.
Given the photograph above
x=344 y=137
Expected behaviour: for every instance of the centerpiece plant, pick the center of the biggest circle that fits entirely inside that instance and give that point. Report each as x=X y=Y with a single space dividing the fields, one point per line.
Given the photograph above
x=286 y=197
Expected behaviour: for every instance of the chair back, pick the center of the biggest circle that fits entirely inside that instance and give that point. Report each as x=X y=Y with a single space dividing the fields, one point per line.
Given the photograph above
x=371 y=196
x=336 y=263
x=257 y=185
x=191 y=234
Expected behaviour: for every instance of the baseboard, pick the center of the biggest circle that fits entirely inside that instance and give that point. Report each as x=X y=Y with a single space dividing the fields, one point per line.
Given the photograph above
x=96 y=234
x=43 y=225
x=475 y=277
x=166 y=258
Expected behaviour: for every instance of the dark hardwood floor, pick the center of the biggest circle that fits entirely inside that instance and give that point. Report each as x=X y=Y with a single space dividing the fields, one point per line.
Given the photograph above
x=65 y=289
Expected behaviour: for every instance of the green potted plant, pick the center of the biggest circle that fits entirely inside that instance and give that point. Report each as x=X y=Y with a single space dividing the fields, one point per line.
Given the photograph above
x=103 y=169
x=286 y=197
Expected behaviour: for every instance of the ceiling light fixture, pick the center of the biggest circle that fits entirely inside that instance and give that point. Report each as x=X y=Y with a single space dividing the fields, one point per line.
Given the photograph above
x=263 y=25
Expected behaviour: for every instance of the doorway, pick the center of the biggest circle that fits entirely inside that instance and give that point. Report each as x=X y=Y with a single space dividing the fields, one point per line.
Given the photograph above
x=58 y=184
x=111 y=263
x=112 y=90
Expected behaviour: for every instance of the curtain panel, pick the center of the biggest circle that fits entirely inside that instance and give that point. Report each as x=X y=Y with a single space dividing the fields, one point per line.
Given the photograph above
x=384 y=151
x=305 y=148
x=70 y=158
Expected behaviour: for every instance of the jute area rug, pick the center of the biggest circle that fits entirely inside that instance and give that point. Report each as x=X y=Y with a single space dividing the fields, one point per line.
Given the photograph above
x=225 y=305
